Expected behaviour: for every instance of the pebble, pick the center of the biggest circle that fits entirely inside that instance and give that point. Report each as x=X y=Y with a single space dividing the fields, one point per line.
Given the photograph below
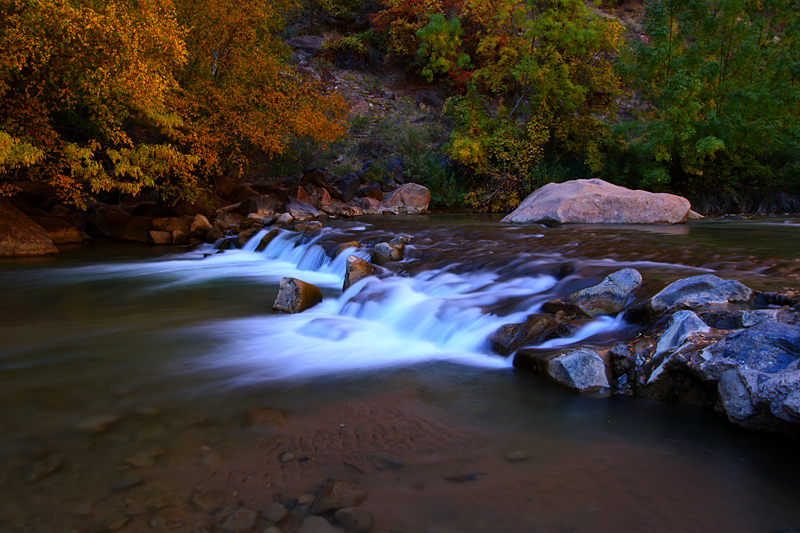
x=338 y=495
x=241 y=521
x=287 y=457
x=305 y=499
x=317 y=524
x=158 y=522
x=516 y=456
x=274 y=513
x=354 y=520
x=119 y=523
x=97 y=424
x=127 y=483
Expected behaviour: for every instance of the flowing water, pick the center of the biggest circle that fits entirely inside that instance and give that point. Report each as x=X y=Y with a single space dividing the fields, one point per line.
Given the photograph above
x=151 y=388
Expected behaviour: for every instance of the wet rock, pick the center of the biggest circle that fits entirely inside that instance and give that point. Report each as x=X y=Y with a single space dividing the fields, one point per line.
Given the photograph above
x=317 y=524
x=228 y=221
x=43 y=469
x=595 y=201
x=410 y=198
x=348 y=186
x=200 y=226
x=516 y=456
x=274 y=513
x=698 y=291
x=581 y=369
x=356 y=269
x=308 y=226
x=179 y=237
x=21 y=236
x=284 y=220
x=97 y=424
x=245 y=236
x=240 y=521
x=387 y=252
x=508 y=338
x=215 y=234
x=295 y=296
x=338 y=495
x=127 y=483
x=301 y=210
x=734 y=394
x=159 y=237
x=354 y=520
x=266 y=418
x=287 y=457
x=681 y=325
x=59 y=230
x=213 y=458
x=119 y=523
x=137 y=230
x=139 y=461
x=606 y=298
x=266 y=239
x=345 y=246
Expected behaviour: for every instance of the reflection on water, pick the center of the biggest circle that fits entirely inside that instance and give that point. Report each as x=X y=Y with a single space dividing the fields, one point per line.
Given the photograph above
x=133 y=364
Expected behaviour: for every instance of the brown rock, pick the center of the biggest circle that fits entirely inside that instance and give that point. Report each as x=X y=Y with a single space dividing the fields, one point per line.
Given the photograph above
x=296 y=296
x=245 y=236
x=262 y=205
x=373 y=190
x=301 y=210
x=266 y=239
x=596 y=201
x=344 y=246
x=338 y=495
x=183 y=224
x=200 y=226
x=179 y=237
x=354 y=519
x=225 y=185
x=137 y=230
x=356 y=270
x=107 y=222
x=308 y=226
x=300 y=194
x=240 y=521
x=243 y=194
x=228 y=221
x=386 y=252
x=214 y=234
x=349 y=211
x=369 y=206
x=59 y=230
x=19 y=235
x=160 y=237
x=410 y=198
x=535 y=330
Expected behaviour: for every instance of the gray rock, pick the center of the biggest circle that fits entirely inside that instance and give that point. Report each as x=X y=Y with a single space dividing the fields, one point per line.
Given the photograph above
x=735 y=396
x=768 y=348
x=509 y=337
x=301 y=210
x=348 y=186
x=274 y=513
x=287 y=457
x=317 y=524
x=387 y=252
x=295 y=296
x=581 y=369
x=699 y=291
x=338 y=495
x=354 y=520
x=284 y=220
x=606 y=298
x=240 y=521
x=773 y=392
x=681 y=325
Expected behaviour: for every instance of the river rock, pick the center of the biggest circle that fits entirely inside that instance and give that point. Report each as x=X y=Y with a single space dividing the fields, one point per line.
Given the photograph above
x=301 y=210
x=681 y=325
x=356 y=269
x=348 y=186
x=349 y=211
x=266 y=239
x=699 y=291
x=21 y=236
x=581 y=369
x=107 y=222
x=606 y=298
x=214 y=234
x=228 y=221
x=137 y=230
x=345 y=246
x=354 y=519
x=338 y=494
x=308 y=226
x=266 y=418
x=284 y=220
x=274 y=513
x=171 y=224
x=508 y=338
x=295 y=296
x=373 y=190
x=410 y=198
x=261 y=205
x=59 y=230
x=245 y=236
x=200 y=226
x=317 y=524
x=595 y=201
x=387 y=252
x=160 y=237
x=369 y=206
x=240 y=521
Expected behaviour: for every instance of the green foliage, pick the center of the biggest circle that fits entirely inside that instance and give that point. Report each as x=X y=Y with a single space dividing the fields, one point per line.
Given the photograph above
x=439 y=50
x=721 y=77
x=430 y=169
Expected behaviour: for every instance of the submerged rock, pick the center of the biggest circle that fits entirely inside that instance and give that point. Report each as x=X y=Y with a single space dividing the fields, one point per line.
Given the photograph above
x=356 y=269
x=295 y=296
x=508 y=338
x=345 y=246
x=338 y=494
x=699 y=291
x=240 y=521
x=596 y=201
x=387 y=252
x=606 y=298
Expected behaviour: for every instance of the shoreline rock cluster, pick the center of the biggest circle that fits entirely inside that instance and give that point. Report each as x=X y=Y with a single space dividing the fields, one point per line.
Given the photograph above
x=702 y=341
x=237 y=209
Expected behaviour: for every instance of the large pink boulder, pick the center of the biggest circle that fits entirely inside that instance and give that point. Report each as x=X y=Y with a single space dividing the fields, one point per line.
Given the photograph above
x=596 y=201
x=410 y=199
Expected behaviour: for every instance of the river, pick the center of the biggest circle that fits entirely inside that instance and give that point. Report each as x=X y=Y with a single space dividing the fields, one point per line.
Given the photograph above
x=153 y=388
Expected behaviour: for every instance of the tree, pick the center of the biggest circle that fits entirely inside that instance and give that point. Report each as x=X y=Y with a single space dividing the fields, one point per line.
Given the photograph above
x=721 y=78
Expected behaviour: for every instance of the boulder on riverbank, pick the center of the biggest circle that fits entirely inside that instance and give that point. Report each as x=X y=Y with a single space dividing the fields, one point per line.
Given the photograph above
x=21 y=236
x=596 y=201
x=411 y=199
